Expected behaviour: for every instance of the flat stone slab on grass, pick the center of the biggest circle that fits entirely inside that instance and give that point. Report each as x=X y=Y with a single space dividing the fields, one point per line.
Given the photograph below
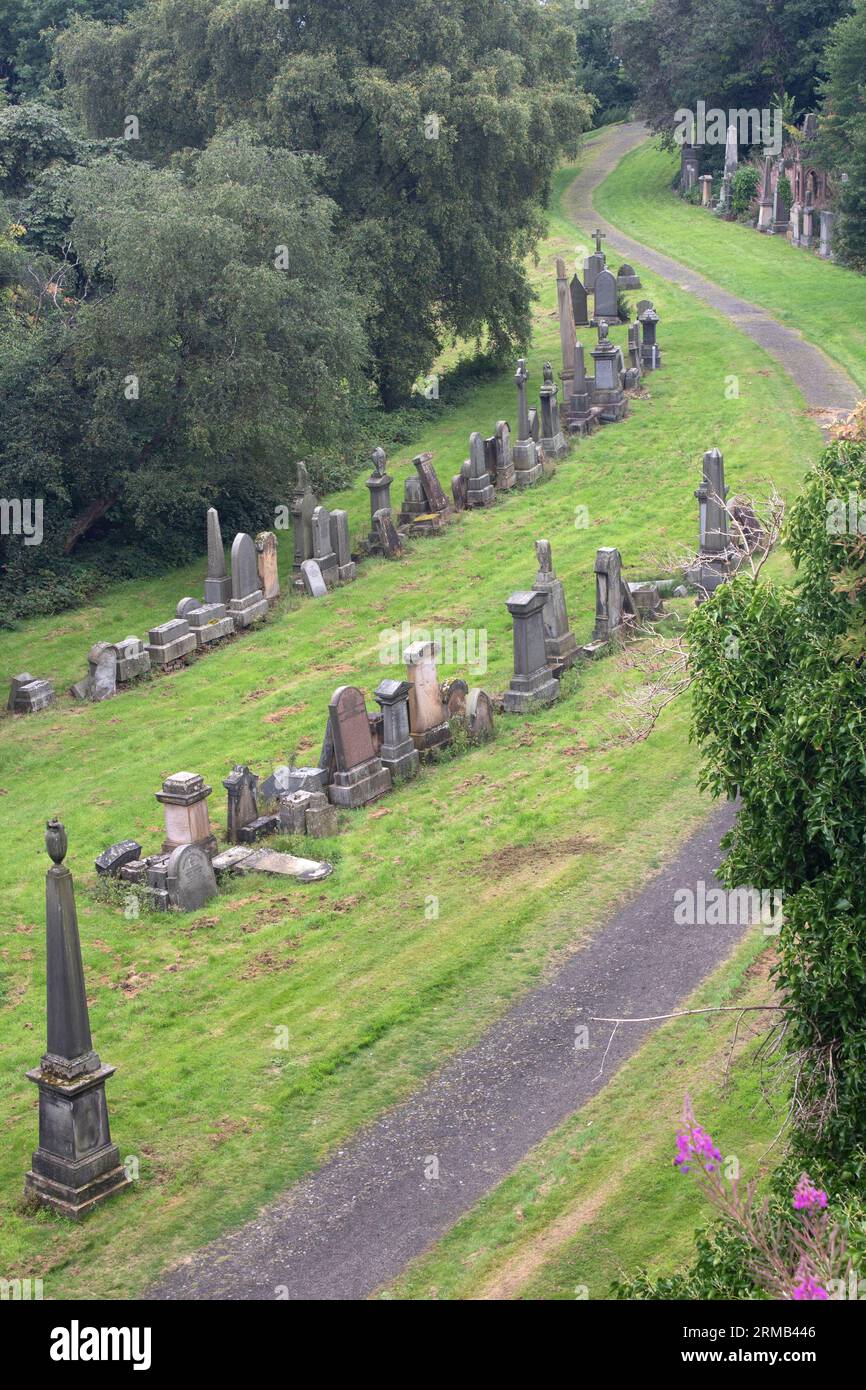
x=241 y=860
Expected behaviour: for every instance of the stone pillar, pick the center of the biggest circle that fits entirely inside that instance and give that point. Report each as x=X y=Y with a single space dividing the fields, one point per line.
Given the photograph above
x=303 y=502
x=398 y=753
x=346 y=568
x=566 y=324
x=532 y=684
x=266 y=563
x=608 y=594
x=706 y=190
x=715 y=555
x=650 y=356
x=807 y=230
x=608 y=393
x=795 y=216
x=765 y=206
x=480 y=492
x=184 y=799
x=76 y=1166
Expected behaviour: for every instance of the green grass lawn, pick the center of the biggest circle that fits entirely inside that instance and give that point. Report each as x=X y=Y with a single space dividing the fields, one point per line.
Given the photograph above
x=825 y=302
x=373 y=992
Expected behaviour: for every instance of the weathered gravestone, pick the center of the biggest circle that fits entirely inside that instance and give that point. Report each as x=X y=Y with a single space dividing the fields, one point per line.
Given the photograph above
x=248 y=603
x=268 y=568
x=608 y=393
x=379 y=485
x=454 y=692
x=606 y=302
x=210 y=623
x=414 y=502
x=388 y=542
x=553 y=441
x=243 y=804
x=359 y=776
x=565 y=313
x=479 y=715
x=112 y=859
x=346 y=568
x=437 y=502
x=397 y=753
x=190 y=878
x=428 y=717
x=627 y=278
x=170 y=642
x=505 y=475
x=133 y=659
x=323 y=551
x=579 y=302
x=187 y=605
x=184 y=801
x=102 y=661
x=313 y=579
x=76 y=1166
x=27 y=694
x=650 y=356
x=559 y=641
x=716 y=555
x=532 y=684
x=304 y=502
x=613 y=602
x=217 y=585
x=527 y=464
x=480 y=491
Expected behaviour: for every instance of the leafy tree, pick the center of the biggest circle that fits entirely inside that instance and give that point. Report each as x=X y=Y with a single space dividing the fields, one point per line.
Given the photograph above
x=600 y=69
x=843 y=130
x=727 y=53
x=191 y=367
x=26 y=29
x=438 y=124
x=780 y=717
x=31 y=137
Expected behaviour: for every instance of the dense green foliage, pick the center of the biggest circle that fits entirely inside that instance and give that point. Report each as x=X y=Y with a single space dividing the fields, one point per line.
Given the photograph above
x=437 y=123
x=27 y=28
x=744 y=188
x=780 y=717
x=726 y=53
x=843 y=131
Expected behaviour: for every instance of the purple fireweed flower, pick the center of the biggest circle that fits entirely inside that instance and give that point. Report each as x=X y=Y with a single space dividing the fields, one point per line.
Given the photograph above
x=693 y=1143
x=807 y=1197
x=808 y=1288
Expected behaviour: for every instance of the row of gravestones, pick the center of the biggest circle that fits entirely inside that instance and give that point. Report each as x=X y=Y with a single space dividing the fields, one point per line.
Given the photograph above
x=75 y=1166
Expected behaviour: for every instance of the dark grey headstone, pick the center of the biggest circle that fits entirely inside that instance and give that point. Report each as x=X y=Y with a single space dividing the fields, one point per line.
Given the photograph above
x=190 y=878
x=112 y=860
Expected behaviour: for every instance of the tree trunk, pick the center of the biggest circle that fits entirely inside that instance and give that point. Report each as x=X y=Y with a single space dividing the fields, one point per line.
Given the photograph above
x=83 y=522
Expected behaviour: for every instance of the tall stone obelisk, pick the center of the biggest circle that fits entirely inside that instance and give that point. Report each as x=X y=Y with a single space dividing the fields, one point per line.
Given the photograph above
x=76 y=1165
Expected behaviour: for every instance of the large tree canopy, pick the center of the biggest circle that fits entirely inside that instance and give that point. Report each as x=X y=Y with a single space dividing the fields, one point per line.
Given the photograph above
x=204 y=335
x=843 y=129
x=727 y=53
x=438 y=124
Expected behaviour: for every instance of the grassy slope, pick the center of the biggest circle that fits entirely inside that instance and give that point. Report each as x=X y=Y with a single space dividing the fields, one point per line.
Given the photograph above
x=825 y=302
x=371 y=991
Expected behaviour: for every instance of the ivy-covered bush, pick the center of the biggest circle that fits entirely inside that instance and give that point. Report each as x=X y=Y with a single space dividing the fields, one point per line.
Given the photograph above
x=744 y=189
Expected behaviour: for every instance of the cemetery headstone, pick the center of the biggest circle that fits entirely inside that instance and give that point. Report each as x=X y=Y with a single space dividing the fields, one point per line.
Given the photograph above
x=210 y=623
x=184 y=801
x=258 y=829
x=627 y=278
x=505 y=474
x=170 y=642
x=186 y=606
x=346 y=568
x=579 y=302
x=217 y=585
x=454 y=692
x=414 y=501
x=706 y=182
x=607 y=391
x=112 y=860
x=606 y=301
x=436 y=499
x=267 y=565
x=359 y=776
x=248 y=604
x=27 y=694
x=320 y=820
x=428 y=718
x=379 y=485
x=388 y=542
x=397 y=753
x=133 y=660
x=532 y=684
x=565 y=311
x=323 y=552
x=480 y=491
x=559 y=641
x=527 y=464
x=553 y=441
x=313 y=579
x=650 y=356
x=102 y=661
x=190 y=878
x=243 y=804
x=825 y=248
x=765 y=204
x=717 y=557
x=612 y=599
x=304 y=502
x=479 y=715
x=76 y=1166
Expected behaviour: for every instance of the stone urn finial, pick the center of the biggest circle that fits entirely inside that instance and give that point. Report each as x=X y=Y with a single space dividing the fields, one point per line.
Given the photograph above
x=55 y=840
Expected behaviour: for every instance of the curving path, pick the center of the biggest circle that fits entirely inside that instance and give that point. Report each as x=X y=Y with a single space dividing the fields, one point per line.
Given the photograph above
x=354 y=1224
x=828 y=390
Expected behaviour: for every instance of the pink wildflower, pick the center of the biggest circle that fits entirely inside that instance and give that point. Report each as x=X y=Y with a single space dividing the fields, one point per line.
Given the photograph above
x=809 y=1288
x=807 y=1197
